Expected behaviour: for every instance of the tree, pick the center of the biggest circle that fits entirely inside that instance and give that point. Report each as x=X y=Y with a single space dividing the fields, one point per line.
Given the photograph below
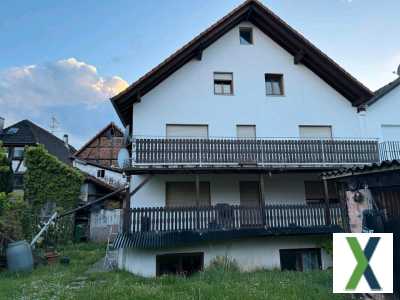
x=5 y=171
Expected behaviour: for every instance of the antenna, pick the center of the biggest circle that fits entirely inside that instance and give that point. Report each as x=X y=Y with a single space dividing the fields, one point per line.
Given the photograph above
x=54 y=124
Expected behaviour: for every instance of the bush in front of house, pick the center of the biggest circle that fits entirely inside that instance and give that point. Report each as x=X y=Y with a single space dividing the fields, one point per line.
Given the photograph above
x=50 y=184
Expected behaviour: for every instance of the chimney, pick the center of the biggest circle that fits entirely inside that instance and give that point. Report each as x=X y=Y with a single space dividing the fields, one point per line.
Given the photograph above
x=66 y=140
x=1 y=125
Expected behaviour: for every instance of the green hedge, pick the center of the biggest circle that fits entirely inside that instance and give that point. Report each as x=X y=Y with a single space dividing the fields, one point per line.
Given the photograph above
x=47 y=179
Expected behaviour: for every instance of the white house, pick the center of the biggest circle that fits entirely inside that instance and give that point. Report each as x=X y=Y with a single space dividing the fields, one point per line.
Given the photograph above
x=230 y=135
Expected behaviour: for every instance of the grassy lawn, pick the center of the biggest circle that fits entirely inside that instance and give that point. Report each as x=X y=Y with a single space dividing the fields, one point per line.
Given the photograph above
x=71 y=282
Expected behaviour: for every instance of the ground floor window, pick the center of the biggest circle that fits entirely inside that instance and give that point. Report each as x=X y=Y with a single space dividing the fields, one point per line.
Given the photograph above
x=179 y=263
x=300 y=259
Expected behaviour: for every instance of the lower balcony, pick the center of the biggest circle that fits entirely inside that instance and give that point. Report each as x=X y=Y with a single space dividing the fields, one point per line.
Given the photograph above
x=232 y=217
x=161 y=227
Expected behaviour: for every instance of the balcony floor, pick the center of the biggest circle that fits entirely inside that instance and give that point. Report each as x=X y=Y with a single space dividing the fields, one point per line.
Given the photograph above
x=159 y=240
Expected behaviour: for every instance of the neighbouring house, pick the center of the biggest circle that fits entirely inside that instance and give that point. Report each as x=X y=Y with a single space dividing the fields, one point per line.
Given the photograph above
x=229 y=137
x=26 y=133
x=98 y=160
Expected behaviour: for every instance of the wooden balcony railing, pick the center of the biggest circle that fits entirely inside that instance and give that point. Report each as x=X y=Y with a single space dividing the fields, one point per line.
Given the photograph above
x=213 y=151
x=226 y=217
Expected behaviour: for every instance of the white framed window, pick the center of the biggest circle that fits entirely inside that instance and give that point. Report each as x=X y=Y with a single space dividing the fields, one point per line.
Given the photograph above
x=101 y=173
x=315 y=132
x=18 y=152
x=246 y=35
x=246 y=131
x=274 y=84
x=223 y=83
x=187 y=130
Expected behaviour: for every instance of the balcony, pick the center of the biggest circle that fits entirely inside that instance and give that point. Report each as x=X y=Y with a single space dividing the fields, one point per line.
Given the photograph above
x=232 y=217
x=258 y=152
x=389 y=150
x=162 y=227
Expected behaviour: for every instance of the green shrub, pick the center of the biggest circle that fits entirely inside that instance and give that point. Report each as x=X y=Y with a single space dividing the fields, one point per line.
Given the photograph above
x=49 y=180
x=223 y=263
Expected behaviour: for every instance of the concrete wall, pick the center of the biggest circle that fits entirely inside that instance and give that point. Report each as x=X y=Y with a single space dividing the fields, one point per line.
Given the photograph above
x=187 y=96
x=250 y=254
x=224 y=188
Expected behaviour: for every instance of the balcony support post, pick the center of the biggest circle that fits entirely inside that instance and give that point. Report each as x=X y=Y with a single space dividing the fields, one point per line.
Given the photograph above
x=326 y=196
x=262 y=199
x=197 y=202
x=125 y=209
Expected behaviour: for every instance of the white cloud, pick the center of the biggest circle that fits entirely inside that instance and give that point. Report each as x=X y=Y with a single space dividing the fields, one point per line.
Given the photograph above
x=63 y=82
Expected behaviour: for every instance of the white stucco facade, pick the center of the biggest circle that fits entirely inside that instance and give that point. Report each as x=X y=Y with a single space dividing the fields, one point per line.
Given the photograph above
x=187 y=96
x=384 y=112
x=110 y=176
x=250 y=254
x=224 y=188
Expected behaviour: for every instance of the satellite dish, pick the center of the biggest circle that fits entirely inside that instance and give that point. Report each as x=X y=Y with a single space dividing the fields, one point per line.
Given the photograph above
x=123 y=158
x=127 y=137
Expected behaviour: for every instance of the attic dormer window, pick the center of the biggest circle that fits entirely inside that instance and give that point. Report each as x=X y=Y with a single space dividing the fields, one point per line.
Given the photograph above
x=246 y=35
x=101 y=173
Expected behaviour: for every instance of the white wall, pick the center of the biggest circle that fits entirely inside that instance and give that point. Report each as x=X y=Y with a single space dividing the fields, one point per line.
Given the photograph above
x=250 y=254
x=109 y=177
x=383 y=112
x=187 y=95
x=224 y=188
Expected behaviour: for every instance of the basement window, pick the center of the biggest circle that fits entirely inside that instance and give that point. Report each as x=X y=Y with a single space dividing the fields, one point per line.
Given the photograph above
x=223 y=83
x=300 y=259
x=274 y=84
x=246 y=35
x=101 y=173
x=184 y=264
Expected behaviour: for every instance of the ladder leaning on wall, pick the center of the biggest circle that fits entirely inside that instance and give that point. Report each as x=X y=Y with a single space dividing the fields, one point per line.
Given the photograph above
x=111 y=258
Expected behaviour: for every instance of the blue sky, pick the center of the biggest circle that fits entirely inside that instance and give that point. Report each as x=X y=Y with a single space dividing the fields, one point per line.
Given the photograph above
x=66 y=58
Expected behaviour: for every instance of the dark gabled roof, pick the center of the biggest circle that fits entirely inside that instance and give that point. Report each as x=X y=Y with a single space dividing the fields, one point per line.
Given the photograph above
x=274 y=27
x=383 y=91
x=384 y=166
x=26 y=132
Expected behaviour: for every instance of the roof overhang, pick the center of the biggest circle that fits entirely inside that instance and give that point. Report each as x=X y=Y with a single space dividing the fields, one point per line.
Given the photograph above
x=252 y=11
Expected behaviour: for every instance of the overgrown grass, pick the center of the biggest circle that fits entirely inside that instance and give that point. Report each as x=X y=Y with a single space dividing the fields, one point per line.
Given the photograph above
x=71 y=282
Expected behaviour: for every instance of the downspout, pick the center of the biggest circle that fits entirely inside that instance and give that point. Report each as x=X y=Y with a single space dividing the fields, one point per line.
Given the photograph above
x=362 y=114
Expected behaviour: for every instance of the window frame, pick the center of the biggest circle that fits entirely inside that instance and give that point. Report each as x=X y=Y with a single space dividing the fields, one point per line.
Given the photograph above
x=101 y=171
x=273 y=76
x=320 y=200
x=314 y=126
x=301 y=251
x=206 y=184
x=221 y=82
x=246 y=125
x=246 y=29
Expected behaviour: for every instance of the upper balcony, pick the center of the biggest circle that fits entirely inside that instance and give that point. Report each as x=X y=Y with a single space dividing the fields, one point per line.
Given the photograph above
x=250 y=153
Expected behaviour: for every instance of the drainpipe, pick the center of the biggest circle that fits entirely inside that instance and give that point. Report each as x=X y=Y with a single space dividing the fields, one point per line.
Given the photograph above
x=362 y=113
